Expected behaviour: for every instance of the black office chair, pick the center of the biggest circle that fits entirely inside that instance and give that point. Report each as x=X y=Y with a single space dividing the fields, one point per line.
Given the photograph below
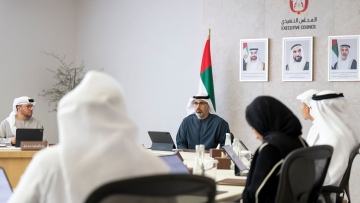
x=344 y=184
x=157 y=188
x=303 y=173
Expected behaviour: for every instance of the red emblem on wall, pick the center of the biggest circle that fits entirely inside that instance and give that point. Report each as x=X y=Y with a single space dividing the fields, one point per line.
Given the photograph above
x=299 y=6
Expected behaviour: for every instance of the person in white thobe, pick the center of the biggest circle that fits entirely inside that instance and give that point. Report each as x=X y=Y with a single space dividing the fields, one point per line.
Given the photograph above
x=21 y=116
x=305 y=99
x=97 y=145
x=338 y=126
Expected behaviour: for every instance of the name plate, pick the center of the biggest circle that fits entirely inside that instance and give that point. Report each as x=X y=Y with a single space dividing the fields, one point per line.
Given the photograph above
x=32 y=145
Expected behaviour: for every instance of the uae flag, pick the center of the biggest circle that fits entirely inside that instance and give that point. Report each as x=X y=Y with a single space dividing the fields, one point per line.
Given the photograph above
x=335 y=51
x=245 y=52
x=206 y=84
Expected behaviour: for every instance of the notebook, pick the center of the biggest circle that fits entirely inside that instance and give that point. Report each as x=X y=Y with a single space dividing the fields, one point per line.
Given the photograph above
x=175 y=164
x=161 y=141
x=28 y=134
x=5 y=187
x=237 y=161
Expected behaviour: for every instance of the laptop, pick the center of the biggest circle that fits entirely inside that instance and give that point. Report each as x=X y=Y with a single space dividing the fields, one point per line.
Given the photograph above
x=5 y=187
x=240 y=168
x=161 y=141
x=175 y=164
x=28 y=134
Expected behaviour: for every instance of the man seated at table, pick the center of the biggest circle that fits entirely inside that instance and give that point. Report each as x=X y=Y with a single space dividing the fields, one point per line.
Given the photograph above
x=202 y=125
x=20 y=117
x=83 y=160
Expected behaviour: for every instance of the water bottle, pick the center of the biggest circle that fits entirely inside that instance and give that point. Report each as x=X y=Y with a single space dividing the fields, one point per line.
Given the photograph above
x=236 y=149
x=228 y=139
x=199 y=160
x=236 y=146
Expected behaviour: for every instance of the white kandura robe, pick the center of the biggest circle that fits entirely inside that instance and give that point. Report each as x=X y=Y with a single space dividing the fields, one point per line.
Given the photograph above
x=97 y=144
x=337 y=124
x=313 y=135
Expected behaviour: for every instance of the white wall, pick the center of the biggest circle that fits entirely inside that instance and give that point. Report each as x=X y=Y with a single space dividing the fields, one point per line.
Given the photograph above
x=154 y=48
x=26 y=28
x=233 y=20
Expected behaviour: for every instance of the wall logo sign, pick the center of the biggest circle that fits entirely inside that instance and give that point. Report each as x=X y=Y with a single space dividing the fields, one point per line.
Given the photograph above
x=298 y=6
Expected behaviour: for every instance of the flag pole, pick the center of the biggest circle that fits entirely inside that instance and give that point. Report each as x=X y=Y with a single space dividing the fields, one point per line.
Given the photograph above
x=209 y=34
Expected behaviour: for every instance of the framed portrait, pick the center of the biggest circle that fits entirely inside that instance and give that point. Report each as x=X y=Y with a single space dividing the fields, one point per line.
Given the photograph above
x=343 y=58
x=297 y=59
x=254 y=60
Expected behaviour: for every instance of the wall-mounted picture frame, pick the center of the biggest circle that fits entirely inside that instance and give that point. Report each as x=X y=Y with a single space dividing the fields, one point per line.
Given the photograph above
x=254 y=60
x=343 y=58
x=297 y=59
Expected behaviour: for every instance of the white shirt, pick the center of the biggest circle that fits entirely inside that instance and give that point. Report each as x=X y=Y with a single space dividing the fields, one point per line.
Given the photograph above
x=338 y=127
x=313 y=136
x=97 y=145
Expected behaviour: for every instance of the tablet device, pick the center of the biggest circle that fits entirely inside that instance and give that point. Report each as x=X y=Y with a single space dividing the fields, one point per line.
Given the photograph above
x=237 y=161
x=175 y=164
x=161 y=141
x=5 y=187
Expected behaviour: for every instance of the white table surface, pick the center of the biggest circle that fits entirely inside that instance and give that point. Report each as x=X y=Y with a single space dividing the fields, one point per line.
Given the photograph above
x=232 y=192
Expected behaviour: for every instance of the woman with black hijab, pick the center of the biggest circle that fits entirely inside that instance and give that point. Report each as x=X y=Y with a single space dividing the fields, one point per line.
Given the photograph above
x=280 y=132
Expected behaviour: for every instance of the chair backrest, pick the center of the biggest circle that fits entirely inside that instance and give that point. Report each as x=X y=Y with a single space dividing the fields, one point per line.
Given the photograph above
x=345 y=180
x=303 y=173
x=157 y=188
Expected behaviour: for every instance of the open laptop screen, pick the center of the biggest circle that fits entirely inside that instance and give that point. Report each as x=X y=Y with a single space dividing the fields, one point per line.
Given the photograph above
x=28 y=134
x=5 y=187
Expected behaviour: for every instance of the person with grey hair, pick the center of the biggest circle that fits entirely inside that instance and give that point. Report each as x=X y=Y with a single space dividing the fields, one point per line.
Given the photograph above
x=305 y=99
x=344 y=60
x=20 y=117
x=297 y=61
x=338 y=126
x=202 y=125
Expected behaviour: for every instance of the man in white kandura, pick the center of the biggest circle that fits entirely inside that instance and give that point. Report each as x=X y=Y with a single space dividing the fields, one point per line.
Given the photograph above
x=97 y=145
x=337 y=124
x=305 y=99
x=20 y=117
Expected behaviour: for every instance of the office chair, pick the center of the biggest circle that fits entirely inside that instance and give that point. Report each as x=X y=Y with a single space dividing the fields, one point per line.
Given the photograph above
x=303 y=173
x=157 y=188
x=344 y=184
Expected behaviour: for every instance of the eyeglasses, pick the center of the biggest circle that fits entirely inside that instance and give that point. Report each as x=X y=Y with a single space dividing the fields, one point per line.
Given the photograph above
x=29 y=106
x=199 y=103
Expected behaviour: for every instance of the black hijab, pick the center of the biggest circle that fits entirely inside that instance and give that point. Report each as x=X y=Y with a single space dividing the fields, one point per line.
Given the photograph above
x=268 y=115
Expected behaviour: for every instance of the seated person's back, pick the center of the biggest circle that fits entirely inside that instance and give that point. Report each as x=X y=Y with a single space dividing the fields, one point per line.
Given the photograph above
x=97 y=145
x=338 y=126
x=280 y=132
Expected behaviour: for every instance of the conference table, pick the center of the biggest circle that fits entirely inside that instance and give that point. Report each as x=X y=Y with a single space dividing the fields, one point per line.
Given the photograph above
x=14 y=161
x=227 y=193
